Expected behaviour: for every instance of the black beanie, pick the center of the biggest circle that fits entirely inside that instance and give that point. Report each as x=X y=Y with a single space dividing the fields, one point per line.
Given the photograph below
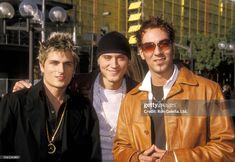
x=114 y=42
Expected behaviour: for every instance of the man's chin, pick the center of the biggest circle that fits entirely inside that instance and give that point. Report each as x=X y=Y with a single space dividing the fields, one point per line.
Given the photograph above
x=60 y=86
x=113 y=80
x=160 y=69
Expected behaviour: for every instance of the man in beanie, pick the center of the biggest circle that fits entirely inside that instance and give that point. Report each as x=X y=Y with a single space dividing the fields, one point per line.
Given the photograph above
x=105 y=87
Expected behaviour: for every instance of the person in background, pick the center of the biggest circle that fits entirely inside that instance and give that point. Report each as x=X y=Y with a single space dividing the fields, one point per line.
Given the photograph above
x=105 y=87
x=146 y=135
x=229 y=95
x=2 y=95
x=227 y=91
x=47 y=122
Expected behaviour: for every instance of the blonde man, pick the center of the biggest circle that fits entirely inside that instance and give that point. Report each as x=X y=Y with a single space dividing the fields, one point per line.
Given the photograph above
x=47 y=122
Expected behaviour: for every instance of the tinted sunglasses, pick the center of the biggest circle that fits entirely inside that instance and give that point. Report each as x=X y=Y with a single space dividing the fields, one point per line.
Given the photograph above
x=149 y=47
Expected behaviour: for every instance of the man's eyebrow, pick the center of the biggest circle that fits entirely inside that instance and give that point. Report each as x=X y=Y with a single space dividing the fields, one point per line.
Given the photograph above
x=167 y=39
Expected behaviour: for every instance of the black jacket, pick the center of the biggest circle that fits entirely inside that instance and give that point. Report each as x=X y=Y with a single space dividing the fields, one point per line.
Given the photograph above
x=22 y=128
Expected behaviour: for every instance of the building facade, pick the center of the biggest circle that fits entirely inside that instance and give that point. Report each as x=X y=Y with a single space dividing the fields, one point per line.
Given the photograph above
x=189 y=17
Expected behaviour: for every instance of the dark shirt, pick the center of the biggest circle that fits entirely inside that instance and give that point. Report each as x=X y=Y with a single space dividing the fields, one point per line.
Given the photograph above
x=157 y=120
x=53 y=121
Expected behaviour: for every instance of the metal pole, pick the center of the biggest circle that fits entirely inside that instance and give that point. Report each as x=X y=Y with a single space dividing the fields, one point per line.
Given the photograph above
x=43 y=22
x=233 y=72
x=4 y=31
x=4 y=26
x=75 y=24
x=91 y=54
x=31 y=79
x=7 y=85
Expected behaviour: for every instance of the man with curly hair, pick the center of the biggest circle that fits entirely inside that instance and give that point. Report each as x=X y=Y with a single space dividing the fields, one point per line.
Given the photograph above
x=165 y=117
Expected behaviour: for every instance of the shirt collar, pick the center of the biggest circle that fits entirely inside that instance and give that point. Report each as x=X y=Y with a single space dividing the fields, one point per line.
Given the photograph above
x=146 y=84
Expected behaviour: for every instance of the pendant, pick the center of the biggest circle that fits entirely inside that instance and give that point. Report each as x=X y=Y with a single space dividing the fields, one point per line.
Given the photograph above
x=51 y=148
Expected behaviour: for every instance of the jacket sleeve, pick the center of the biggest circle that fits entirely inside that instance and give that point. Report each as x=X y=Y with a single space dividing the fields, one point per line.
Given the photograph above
x=7 y=124
x=95 y=136
x=122 y=148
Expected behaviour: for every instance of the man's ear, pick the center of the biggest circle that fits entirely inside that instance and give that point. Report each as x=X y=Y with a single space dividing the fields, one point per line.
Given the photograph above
x=141 y=54
x=41 y=67
x=98 y=61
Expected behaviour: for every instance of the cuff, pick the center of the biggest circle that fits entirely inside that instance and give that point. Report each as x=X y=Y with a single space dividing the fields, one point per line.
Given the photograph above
x=168 y=157
x=135 y=157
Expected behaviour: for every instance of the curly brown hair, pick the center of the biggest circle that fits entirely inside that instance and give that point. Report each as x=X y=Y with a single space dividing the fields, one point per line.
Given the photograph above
x=155 y=22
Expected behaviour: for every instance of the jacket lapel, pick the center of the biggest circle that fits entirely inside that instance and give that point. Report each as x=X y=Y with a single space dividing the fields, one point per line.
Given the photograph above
x=71 y=126
x=185 y=77
x=36 y=114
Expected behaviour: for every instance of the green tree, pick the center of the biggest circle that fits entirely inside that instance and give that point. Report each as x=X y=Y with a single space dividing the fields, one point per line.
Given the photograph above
x=205 y=52
x=231 y=34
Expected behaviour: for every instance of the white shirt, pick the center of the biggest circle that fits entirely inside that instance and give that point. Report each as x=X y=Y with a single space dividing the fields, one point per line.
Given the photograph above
x=146 y=84
x=107 y=105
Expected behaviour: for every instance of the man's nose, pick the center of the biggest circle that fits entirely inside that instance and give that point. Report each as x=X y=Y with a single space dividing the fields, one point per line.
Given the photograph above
x=61 y=68
x=114 y=62
x=157 y=50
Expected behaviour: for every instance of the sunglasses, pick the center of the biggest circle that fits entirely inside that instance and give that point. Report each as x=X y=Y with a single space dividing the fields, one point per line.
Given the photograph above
x=149 y=47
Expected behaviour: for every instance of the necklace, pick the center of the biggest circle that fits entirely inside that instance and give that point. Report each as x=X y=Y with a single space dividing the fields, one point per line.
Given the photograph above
x=51 y=146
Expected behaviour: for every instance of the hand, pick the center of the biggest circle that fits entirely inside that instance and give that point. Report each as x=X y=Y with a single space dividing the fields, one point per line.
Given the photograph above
x=152 y=154
x=21 y=85
x=159 y=154
x=146 y=156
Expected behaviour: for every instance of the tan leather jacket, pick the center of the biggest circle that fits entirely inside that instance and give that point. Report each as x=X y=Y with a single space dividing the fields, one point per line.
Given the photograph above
x=191 y=138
